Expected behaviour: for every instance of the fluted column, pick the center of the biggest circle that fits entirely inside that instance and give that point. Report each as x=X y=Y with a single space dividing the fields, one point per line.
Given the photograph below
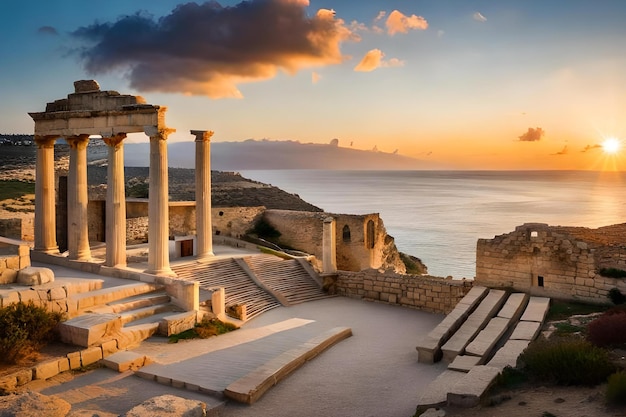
x=329 y=246
x=204 y=232
x=77 y=200
x=158 y=210
x=115 y=203
x=45 y=210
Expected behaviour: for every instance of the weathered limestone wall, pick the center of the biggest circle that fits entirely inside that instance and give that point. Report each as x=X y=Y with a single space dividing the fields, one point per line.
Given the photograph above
x=182 y=218
x=437 y=295
x=234 y=221
x=557 y=262
x=11 y=228
x=95 y=221
x=362 y=240
x=137 y=230
x=13 y=256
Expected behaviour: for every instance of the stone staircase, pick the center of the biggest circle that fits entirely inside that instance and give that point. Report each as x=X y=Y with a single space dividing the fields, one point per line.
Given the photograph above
x=127 y=314
x=290 y=278
x=260 y=282
x=485 y=333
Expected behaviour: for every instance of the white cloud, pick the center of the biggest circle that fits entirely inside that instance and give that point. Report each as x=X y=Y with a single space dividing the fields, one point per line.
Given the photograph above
x=478 y=16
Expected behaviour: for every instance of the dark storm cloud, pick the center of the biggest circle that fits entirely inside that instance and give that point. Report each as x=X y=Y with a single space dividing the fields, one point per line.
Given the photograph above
x=207 y=49
x=532 y=135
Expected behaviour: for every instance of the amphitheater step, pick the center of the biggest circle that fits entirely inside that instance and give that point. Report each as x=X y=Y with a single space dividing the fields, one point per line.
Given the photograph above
x=487 y=308
x=84 y=301
x=429 y=347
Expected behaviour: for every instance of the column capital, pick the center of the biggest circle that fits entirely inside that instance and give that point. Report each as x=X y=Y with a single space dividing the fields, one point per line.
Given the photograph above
x=202 y=135
x=115 y=140
x=45 y=140
x=78 y=141
x=155 y=132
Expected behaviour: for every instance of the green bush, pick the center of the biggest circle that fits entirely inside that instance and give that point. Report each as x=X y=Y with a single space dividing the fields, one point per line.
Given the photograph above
x=566 y=361
x=265 y=230
x=616 y=388
x=613 y=273
x=609 y=329
x=24 y=330
x=616 y=296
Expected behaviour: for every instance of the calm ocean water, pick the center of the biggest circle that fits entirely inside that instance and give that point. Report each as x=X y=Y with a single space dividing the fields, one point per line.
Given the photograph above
x=439 y=215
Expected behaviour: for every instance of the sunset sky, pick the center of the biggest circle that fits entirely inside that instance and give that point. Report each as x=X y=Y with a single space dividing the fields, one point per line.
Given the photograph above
x=468 y=84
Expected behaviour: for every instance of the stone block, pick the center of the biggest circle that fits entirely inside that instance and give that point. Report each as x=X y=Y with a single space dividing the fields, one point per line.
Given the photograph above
x=46 y=370
x=109 y=347
x=24 y=376
x=57 y=293
x=74 y=360
x=526 y=330
x=471 y=388
x=24 y=262
x=35 y=276
x=64 y=364
x=8 y=276
x=90 y=355
x=13 y=262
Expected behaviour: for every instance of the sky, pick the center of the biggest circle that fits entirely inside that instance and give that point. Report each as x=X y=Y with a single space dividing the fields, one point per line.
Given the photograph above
x=500 y=84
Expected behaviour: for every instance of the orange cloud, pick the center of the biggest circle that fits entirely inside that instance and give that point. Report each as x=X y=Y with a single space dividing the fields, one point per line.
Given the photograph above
x=397 y=22
x=591 y=147
x=532 y=135
x=210 y=50
x=563 y=151
x=374 y=59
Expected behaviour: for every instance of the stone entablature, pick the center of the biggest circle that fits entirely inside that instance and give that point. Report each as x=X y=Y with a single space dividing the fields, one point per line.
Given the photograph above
x=553 y=261
x=436 y=295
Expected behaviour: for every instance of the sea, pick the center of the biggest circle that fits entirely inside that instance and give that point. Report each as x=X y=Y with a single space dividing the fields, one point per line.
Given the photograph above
x=438 y=216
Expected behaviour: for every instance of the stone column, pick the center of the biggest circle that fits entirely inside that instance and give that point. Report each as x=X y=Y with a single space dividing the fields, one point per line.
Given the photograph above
x=329 y=247
x=45 y=211
x=158 y=209
x=115 y=203
x=77 y=200
x=204 y=232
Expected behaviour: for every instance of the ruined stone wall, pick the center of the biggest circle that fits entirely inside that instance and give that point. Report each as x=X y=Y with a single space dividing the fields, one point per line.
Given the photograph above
x=137 y=230
x=182 y=219
x=436 y=295
x=11 y=228
x=547 y=261
x=303 y=230
x=13 y=257
x=234 y=221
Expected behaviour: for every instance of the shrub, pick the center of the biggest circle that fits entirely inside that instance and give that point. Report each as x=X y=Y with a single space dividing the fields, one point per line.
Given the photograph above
x=265 y=230
x=24 y=330
x=609 y=329
x=616 y=388
x=203 y=330
x=567 y=361
x=616 y=296
x=613 y=273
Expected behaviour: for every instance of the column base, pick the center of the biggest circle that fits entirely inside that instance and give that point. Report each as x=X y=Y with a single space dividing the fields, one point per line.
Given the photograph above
x=167 y=272
x=48 y=251
x=205 y=257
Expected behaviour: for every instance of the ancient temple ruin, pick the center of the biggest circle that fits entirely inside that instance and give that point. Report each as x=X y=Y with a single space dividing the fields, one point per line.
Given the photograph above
x=91 y=112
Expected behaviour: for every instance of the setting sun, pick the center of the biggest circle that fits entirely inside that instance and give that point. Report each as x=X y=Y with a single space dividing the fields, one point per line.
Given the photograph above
x=611 y=145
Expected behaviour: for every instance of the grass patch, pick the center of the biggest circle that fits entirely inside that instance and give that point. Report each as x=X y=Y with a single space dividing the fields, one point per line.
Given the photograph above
x=203 y=330
x=561 y=310
x=12 y=189
x=567 y=328
x=269 y=251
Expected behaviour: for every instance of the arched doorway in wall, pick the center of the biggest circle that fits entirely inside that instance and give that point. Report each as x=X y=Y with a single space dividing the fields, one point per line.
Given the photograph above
x=370 y=235
x=345 y=234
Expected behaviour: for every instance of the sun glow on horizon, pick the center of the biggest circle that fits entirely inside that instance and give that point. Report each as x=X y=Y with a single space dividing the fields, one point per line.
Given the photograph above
x=611 y=145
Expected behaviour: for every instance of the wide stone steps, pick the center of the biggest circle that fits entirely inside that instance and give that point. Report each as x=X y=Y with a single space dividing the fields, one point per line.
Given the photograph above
x=127 y=313
x=496 y=331
x=240 y=288
x=286 y=277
